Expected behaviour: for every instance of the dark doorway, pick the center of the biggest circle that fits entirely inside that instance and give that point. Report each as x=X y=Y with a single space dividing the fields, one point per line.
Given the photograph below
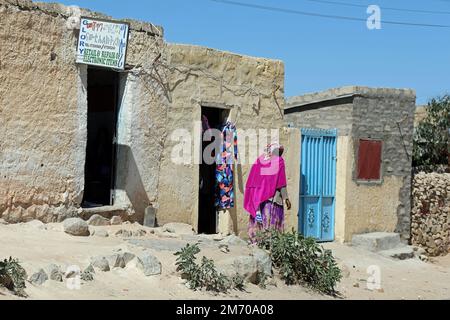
x=207 y=212
x=101 y=127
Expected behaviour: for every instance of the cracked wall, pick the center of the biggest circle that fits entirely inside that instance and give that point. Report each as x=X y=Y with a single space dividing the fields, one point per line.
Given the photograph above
x=251 y=88
x=43 y=114
x=43 y=117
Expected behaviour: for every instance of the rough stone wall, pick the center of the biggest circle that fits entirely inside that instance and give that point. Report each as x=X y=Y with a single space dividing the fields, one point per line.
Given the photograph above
x=430 y=228
x=388 y=115
x=40 y=118
x=251 y=88
x=43 y=112
x=338 y=116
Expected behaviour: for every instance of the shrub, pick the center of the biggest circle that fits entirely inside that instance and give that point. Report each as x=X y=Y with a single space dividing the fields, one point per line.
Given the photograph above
x=13 y=276
x=431 y=136
x=204 y=275
x=301 y=260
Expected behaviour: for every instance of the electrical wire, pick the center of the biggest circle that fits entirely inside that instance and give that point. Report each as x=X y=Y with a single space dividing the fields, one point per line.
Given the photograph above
x=348 y=4
x=320 y=15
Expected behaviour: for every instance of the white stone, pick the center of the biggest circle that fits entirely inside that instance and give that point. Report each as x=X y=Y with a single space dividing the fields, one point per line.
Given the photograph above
x=76 y=227
x=149 y=264
x=100 y=233
x=178 y=228
x=39 y=277
x=36 y=224
x=54 y=272
x=98 y=220
x=100 y=263
x=116 y=220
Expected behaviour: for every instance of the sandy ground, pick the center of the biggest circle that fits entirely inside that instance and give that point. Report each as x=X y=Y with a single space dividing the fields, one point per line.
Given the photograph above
x=37 y=248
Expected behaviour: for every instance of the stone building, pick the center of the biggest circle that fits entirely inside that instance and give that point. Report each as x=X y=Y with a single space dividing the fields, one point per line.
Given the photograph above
x=369 y=164
x=78 y=140
x=73 y=135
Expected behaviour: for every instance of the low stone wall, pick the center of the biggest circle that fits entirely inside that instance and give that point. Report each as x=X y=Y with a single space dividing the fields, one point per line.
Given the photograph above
x=430 y=228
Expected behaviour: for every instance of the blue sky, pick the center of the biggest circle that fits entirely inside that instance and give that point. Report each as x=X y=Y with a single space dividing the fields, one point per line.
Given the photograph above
x=318 y=53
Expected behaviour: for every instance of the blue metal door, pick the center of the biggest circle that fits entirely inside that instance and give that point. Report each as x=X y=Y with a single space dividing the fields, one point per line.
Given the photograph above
x=318 y=184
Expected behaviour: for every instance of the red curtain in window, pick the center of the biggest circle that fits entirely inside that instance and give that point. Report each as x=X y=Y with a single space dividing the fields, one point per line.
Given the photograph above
x=369 y=160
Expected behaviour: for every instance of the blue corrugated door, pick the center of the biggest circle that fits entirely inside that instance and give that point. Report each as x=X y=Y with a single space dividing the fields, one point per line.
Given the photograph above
x=318 y=184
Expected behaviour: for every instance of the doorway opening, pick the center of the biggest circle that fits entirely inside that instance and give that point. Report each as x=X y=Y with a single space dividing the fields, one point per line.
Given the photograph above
x=207 y=211
x=102 y=96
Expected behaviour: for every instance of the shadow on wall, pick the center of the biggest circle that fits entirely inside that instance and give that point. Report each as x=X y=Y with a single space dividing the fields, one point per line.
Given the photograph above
x=130 y=181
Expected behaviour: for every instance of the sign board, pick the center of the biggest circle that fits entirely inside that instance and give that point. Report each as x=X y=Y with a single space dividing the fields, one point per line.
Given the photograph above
x=102 y=43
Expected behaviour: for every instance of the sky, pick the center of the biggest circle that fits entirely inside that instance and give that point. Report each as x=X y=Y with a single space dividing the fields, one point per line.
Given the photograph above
x=319 y=53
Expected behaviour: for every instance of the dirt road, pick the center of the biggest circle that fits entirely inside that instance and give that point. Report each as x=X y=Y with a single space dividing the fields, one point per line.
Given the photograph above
x=36 y=248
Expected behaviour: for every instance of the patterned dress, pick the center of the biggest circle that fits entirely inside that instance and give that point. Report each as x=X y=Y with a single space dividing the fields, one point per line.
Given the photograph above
x=224 y=167
x=271 y=215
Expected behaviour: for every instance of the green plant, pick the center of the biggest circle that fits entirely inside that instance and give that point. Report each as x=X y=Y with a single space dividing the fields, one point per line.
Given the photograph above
x=13 y=276
x=431 y=137
x=211 y=279
x=261 y=280
x=238 y=282
x=204 y=275
x=301 y=260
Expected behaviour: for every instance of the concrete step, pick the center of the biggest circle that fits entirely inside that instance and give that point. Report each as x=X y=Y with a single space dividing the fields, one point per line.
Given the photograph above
x=401 y=253
x=377 y=241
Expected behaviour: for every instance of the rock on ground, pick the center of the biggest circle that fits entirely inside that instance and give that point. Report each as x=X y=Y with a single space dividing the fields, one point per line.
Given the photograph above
x=250 y=267
x=101 y=263
x=127 y=257
x=76 y=227
x=39 y=277
x=98 y=220
x=36 y=224
x=55 y=272
x=263 y=261
x=100 y=233
x=116 y=220
x=234 y=241
x=178 y=228
x=116 y=261
x=90 y=269
x=149 y=264
x=159 y=245
x=124 y=233
x=87 y=276
x=245 y=266
x=130 y=234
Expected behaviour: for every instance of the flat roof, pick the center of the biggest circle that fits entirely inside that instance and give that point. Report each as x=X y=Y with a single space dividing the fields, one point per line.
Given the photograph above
x=345 y=92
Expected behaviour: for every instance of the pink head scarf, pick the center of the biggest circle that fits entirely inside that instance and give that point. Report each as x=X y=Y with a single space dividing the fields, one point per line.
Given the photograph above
x=267 y=175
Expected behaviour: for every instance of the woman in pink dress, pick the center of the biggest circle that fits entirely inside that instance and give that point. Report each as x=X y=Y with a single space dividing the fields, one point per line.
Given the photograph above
x=266 y=192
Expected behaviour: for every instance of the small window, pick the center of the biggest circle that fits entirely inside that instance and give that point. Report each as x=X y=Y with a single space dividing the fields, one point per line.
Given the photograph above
x=369 y=159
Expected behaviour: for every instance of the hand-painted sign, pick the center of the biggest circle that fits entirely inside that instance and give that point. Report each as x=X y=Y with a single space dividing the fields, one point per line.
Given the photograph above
x=102 y=43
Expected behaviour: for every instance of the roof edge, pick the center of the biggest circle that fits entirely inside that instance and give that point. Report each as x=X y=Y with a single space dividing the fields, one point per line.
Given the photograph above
x=348 y=91
x=61 y=10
